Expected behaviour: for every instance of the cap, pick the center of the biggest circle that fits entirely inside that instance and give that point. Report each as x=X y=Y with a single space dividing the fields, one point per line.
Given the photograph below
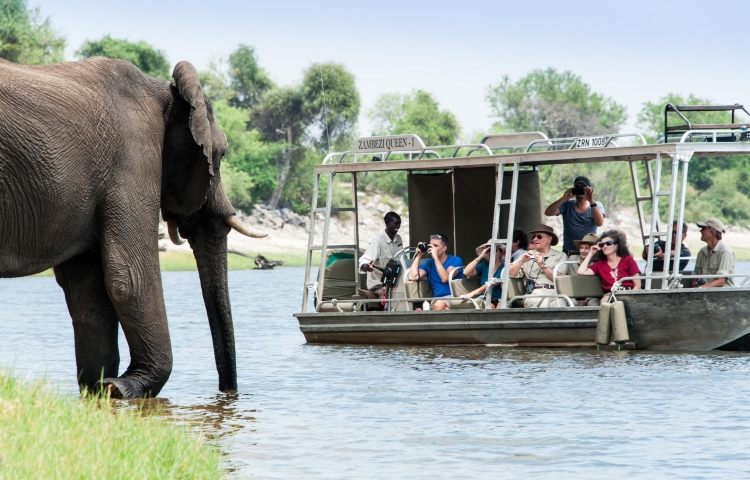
x=714 y=223
x=583 y=180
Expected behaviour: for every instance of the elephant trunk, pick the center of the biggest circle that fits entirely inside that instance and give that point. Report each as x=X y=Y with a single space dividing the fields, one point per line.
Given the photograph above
x=210 y=250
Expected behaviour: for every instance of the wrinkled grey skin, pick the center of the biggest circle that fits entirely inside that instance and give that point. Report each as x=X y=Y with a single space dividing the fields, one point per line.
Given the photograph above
x=90 y=152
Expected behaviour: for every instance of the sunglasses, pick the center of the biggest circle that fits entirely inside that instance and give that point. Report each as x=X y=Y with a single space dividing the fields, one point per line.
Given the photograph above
x=439 y=237
x=539 y=236
x=607 y=243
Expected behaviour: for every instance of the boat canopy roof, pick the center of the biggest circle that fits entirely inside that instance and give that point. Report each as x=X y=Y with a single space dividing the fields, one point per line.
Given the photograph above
x=408 y=151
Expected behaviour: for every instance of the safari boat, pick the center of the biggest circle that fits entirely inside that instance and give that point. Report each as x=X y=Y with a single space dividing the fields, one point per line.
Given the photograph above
x=485 y=191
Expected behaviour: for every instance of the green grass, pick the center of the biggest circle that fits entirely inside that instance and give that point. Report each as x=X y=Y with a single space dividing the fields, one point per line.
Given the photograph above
x=43 y=435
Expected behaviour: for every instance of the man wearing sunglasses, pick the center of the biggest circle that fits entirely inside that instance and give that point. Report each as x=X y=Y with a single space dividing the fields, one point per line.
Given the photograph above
x=661 y=245
x=581 y=215
x=437 y=269
x=716 y=258
x=536 y=266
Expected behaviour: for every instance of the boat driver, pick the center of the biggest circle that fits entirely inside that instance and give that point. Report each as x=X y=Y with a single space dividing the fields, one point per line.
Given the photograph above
x=381 y=249
x=437 y=269
x=716 y=258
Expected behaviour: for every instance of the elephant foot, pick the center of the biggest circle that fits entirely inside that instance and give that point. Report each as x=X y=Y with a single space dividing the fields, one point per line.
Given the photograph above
x=122 y=388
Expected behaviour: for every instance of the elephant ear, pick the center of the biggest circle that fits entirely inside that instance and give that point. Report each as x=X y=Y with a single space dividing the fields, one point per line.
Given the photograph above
x=196 y=191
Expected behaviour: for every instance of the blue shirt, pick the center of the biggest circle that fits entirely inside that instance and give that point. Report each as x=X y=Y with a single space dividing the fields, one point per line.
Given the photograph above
x=576 y=225
x=440 y=289
x=484 y=268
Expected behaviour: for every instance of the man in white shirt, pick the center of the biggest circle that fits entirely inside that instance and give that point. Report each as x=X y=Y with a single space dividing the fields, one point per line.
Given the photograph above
x=382 y=248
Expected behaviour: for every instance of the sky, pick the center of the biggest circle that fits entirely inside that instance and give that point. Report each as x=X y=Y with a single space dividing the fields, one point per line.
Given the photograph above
x=634 y=52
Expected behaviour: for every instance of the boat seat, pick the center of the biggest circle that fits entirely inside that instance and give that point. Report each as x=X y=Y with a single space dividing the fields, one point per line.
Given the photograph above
x=579 y=286
x=338 y=308
x=462 y=286
x=340 y=276
x=515 y=288
x=656 y=282
x=419 y=289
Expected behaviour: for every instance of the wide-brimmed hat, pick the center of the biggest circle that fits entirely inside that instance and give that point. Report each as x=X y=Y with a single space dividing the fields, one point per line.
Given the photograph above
x=588 y=239
x=542 y=228
x=714 y=223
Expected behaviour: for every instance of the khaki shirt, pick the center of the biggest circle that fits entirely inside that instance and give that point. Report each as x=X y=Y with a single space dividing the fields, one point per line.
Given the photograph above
x=531 y=271
x=720 y=262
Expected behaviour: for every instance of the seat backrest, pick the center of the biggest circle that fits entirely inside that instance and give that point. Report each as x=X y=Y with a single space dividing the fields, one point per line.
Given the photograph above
x=462 y=286
x=338 y=280
x=515 y=287
x=579 y=286
x=420 y=289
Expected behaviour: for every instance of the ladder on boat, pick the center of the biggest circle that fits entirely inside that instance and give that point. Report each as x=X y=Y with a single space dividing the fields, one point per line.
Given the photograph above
x=323 y=247
x=650 y=231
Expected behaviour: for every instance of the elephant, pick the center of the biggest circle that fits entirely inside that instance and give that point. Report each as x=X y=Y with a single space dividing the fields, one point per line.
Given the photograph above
x=91 y=153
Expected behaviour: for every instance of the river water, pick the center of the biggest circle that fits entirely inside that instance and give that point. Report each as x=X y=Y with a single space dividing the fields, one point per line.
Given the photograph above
x=308 y=411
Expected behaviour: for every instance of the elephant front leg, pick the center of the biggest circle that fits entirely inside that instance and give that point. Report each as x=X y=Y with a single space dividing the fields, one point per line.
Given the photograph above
x=94 y=318
x=133 y=280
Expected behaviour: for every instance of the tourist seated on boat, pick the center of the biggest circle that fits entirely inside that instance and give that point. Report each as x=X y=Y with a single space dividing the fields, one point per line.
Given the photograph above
x=520 y=244
x=537 y=265
x=716 y=258
x=580 y=213
x=584 y=247
x=436 y=269
x=661 y=246
x=610 y=260
x=381 y=249
x=480 y=267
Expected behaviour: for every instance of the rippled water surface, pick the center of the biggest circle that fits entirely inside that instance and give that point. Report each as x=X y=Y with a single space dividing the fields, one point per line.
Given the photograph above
x=412 y=412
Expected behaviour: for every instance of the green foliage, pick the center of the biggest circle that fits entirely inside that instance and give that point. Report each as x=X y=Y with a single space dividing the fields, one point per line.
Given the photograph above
x=43 y=435
x=151 y=61
x=723 y=199
x=249 y=161
x=558 y=104
x=417 y=113
x=216 y=82
x=297 y=192
x=26 y=37
x=330 y=104
x=279 y=108
x=248 y=80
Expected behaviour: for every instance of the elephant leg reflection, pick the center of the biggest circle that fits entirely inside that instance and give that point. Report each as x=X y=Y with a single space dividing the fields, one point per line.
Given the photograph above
x=94 y=318
x=133 y=280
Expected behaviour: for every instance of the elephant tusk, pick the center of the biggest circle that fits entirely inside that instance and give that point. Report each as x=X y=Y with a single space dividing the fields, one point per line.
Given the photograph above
x=174 y=235
x=236 y=224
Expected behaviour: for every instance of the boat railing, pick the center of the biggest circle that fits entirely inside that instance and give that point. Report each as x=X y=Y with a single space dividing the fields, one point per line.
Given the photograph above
x=416 y=154
x=583 y=142
x=542 y=295
x=675 y=280
x=704 y=135
x=356 y=303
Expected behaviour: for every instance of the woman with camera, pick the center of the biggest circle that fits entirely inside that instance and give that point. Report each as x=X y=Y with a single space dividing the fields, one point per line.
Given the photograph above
x=613 y=262
x=481 y=269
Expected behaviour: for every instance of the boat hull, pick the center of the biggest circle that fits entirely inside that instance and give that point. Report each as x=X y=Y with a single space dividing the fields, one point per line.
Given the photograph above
x=688 y=319
x=683 y=319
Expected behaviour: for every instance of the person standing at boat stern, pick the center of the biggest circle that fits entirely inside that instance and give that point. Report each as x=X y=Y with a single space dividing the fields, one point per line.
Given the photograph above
x=536 y=267
x=716 y=258
x=580 y=215
x=611 y=261
x=437 y=269
x=381 y=249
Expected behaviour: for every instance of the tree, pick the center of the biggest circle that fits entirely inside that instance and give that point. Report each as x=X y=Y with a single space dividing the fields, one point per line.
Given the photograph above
x=330 y=104
x=558 y=104
x=151 y=61
x=26 y=37
x=417 y=113
x=248 y=80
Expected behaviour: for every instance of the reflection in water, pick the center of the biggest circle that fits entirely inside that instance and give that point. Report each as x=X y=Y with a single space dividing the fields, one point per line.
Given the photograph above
x=410 y=412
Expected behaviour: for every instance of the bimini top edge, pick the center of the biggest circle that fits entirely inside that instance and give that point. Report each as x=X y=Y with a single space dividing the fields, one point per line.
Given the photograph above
x=528 y=148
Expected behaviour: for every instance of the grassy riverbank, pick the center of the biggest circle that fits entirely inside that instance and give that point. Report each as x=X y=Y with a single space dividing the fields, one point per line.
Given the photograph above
x=43 y=435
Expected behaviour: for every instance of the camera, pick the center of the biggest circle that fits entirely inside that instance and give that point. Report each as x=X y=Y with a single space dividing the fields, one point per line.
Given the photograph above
x=701 y=282
x=532 y=256
x=423 y=246
x=578 y=191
